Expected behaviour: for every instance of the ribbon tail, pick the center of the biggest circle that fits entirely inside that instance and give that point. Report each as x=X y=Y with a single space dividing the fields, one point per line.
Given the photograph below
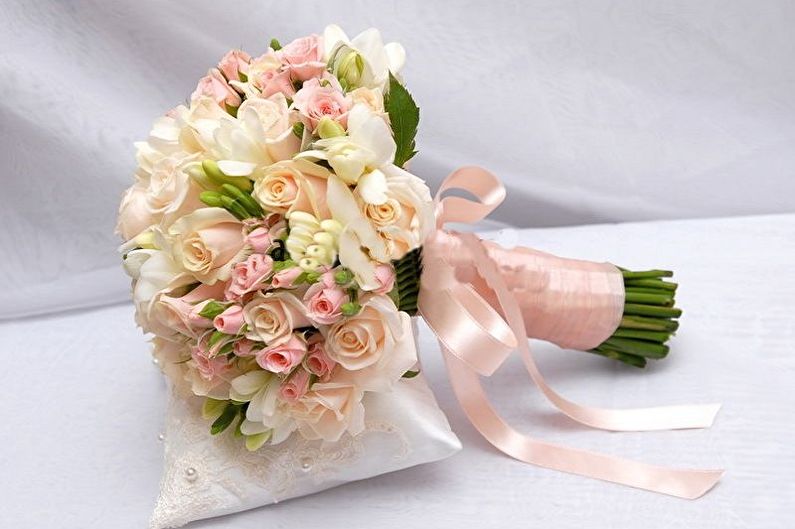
x=682 y=483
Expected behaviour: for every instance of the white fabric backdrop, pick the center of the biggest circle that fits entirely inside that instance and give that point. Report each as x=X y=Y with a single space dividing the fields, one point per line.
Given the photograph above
x=590 y=111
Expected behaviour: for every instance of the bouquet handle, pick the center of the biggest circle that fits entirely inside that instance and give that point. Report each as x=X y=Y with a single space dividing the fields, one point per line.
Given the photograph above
x=477 y=332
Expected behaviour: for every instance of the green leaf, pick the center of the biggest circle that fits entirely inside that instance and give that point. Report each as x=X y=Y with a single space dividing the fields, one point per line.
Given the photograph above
x=404 y=116
x=212 y=309
x=411 y=374
x=298 y=130
x=276 y=45
x=226 y=418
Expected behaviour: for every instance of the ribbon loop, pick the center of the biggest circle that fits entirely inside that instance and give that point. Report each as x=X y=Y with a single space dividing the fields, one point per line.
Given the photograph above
x=477 y=334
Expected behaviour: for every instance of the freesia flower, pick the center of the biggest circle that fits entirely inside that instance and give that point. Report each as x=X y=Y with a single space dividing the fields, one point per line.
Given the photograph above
x=368 y=146
x=261 y=135
x=363 y=60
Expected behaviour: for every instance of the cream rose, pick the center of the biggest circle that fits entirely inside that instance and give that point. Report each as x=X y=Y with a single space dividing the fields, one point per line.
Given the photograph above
x=359 y=341
x=272 y=317
x=293 y=185
x=329 y=410
x=135 y=215
x=207 y=243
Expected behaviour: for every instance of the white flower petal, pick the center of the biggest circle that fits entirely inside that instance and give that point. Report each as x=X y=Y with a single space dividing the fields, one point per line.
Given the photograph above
x=372 y=187
x=235 y=168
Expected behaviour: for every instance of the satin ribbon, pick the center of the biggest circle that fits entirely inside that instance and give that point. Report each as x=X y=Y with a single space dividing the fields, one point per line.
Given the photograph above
x=478 y=328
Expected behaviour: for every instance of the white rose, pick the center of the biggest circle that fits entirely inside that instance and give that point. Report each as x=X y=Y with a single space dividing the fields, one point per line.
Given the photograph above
x=206 y=243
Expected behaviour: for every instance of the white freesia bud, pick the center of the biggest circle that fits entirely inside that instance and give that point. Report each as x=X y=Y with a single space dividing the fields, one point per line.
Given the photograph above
x=312 y=244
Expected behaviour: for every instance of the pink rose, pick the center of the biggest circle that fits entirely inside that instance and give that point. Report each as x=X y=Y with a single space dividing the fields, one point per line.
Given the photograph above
x=284 y=357
x=230 y=321
x=304 y=57
x=385 y=277
x=233 y=64
x=209 y=366
x=318 y=362
x=246 y=347
x=315 y=101
x=249 y=275
x=214 y=85
x=295 y=387
x=324 y=302
x=182 y=314
x=284 y=278
x=260 y=239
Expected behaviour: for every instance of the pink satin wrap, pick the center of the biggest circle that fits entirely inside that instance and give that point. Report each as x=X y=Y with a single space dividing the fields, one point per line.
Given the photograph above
x=482 y=301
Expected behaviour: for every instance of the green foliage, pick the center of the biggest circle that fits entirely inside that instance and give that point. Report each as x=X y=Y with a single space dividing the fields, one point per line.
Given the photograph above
x=408 y=270
x=404 y=116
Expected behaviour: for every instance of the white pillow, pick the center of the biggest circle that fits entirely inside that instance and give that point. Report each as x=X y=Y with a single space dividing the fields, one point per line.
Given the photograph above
x=206 y=476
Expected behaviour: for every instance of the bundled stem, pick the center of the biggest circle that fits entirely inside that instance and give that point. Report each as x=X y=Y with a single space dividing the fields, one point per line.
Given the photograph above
x=649 y=319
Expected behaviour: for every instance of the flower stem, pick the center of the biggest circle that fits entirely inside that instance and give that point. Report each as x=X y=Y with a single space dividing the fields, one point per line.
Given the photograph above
x=649 y=319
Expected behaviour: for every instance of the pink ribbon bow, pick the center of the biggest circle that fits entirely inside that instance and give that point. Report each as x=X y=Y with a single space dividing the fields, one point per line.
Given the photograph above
x=477 y=334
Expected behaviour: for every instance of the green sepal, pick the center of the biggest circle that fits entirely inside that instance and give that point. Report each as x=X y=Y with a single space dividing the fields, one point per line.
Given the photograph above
x=411 y=374
x=212 y=309
x=275 y=45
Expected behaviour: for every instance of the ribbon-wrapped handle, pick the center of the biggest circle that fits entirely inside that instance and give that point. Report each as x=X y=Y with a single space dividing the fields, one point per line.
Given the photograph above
x=467 y=302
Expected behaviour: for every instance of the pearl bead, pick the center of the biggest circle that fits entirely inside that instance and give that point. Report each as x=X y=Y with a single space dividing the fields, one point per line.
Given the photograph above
x=161 y=437
x=191 y=474
x=155 y=361
x=306 y=463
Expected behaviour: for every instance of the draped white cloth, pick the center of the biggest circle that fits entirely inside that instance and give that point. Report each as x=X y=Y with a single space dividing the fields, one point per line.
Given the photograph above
x=589 y=111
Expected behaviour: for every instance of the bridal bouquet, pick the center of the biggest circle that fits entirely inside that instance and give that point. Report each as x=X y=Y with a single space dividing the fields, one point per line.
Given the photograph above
x=279 y=248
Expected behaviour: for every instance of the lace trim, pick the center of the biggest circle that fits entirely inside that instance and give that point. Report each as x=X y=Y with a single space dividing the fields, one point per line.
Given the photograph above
x=209 y=476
